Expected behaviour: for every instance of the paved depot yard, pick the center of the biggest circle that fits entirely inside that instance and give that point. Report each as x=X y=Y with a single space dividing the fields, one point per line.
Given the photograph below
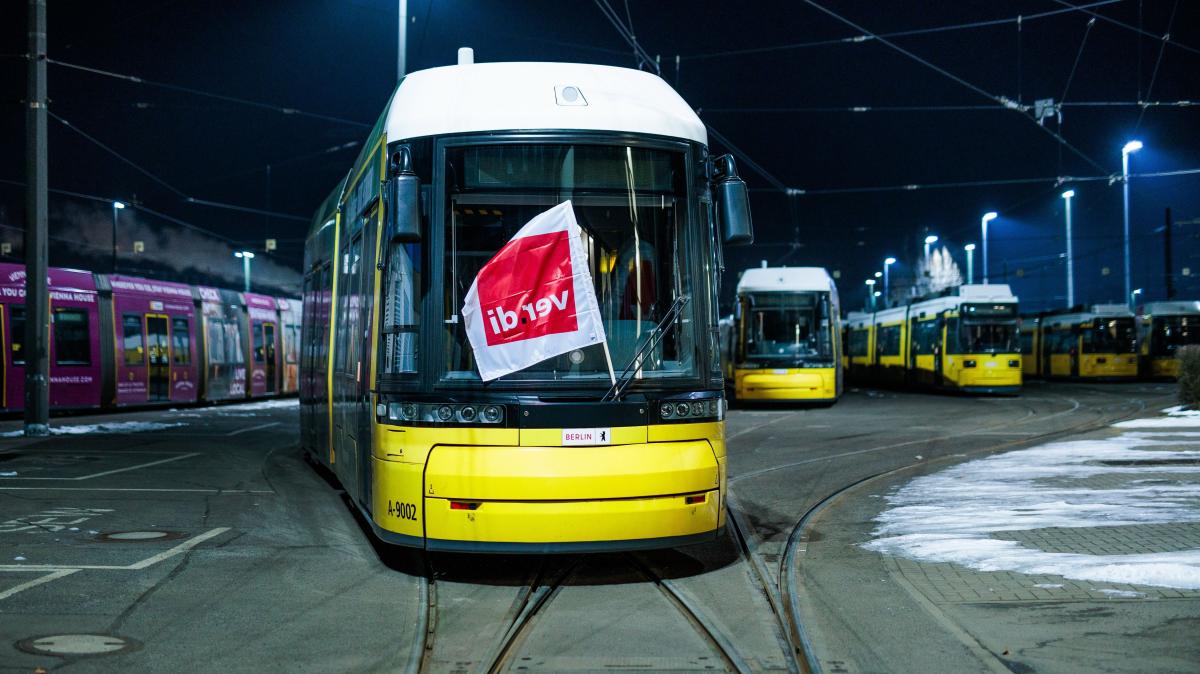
x=200 y=540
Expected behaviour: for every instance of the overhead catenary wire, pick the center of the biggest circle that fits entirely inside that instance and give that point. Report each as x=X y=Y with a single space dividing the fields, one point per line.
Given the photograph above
x=626 y=34
x=175 y=190
x=1162 y=48
x=1165 y=38
x=977 y=89
x=208 y=94
x=860 y=38
x=914 y=187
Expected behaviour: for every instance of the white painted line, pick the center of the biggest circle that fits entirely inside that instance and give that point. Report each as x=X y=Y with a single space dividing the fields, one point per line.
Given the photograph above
x=253 y=428
x=110 y=472
x=141 y=465
x=149 y=561
x=148 y=489
x=36 y=581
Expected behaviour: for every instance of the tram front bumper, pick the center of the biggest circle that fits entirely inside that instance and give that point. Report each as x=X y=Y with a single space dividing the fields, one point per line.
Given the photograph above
x=786 y=384
x=553 y=499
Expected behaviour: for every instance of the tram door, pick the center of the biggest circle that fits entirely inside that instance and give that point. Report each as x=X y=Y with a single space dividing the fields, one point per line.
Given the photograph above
x=158 y=357
x=269 y=355
x=349 y=373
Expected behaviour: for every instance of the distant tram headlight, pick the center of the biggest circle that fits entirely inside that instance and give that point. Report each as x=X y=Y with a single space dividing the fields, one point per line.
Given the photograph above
x=968 y=363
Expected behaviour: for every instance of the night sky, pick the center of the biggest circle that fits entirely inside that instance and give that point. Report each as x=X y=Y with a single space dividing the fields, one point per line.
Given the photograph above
x=791 y=110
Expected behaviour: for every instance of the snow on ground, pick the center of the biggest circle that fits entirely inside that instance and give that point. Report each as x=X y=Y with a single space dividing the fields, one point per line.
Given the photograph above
x=951 y=515
x=111 y=427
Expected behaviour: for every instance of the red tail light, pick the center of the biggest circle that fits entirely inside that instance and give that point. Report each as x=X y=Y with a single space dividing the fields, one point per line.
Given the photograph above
x=463 y=505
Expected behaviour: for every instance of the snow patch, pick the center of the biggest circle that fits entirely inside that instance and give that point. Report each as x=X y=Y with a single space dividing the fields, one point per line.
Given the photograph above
x=240 y=408
x=1048 y=586
x=108 y=427
x=1175 y=421
x=1120 y=594
x=951 y=515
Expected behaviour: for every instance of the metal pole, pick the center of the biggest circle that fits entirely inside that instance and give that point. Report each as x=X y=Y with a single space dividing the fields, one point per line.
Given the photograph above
x=1125 y=191
x=886 y=266
x=1167 y=265
x=37 y=316
x=402 y=40
x=246 y=270
x=985 y=266
x=1070 y=260
x=114 y=238
x=970 y=266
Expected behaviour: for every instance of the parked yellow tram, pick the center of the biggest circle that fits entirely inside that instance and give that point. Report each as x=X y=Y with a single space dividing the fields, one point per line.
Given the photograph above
x=782 y=344
x=964 y=340
x=553 y=457
x=1163 y=328
x=1095 y=344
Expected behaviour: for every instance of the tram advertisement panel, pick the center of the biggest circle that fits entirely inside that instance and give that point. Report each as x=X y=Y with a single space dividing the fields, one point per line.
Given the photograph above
x=154 y=326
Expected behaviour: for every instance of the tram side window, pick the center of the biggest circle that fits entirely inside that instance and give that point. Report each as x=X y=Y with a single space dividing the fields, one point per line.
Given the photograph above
x=181 y=342
x=889 y=341
x=133 y=344
x=858 y=342
x=72 y=343
x=925 y=337
x=1027 y=343
x=258 y=344
x=1060 y=341
x=16 y=314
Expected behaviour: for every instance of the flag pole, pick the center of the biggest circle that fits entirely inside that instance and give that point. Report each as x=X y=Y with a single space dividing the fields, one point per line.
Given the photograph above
x=612 y=377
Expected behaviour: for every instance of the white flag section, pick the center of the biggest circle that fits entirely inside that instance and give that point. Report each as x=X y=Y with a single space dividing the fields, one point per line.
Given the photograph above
x=534 y=299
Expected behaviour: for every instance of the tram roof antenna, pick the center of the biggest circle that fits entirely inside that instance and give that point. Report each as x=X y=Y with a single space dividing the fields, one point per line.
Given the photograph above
x=623 y=380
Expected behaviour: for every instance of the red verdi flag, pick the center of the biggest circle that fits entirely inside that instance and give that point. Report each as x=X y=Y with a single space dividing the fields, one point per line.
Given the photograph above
x=534 y=299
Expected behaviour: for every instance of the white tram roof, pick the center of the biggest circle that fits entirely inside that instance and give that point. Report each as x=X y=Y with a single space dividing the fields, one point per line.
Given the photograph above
x=779 y=279
x=480 y=97
x=992 y=292
x=858 y=319
x=1171 y=308
x=1097 y=311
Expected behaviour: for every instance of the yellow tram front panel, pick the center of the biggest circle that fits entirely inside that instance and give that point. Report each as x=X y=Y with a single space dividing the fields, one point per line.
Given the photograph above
x=1000 y=372
x=510 y=486
x=1108 y=365
x=790 y=384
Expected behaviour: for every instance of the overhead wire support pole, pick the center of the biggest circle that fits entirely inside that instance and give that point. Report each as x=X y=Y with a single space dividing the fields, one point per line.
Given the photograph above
x=37 y=307
x=402 y=40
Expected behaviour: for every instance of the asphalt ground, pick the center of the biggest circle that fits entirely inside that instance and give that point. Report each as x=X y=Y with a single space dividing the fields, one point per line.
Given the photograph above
x=210 y=544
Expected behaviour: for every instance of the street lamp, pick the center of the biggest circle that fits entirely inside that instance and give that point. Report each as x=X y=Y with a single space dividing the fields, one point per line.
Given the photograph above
x=117 y=205
x=1130 y=147
x=970 y=248
x=928 y=240
x=246 y=257
x=1133 y=298
x=987 y=217
x=1067 y=196
x=887 y=263
x=870 y=294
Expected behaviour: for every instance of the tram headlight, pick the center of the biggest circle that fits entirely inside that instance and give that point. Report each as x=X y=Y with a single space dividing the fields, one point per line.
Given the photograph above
x=445 y=413
x=1014 y=363
x=968 y=362
x=691 y=410
x=467 y=413
x=493 y=414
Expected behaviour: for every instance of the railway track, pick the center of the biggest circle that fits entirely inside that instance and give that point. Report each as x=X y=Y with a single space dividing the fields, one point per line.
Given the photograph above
x=785 y=593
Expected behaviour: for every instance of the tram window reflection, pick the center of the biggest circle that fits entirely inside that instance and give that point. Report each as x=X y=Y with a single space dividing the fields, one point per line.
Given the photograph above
x=133 y=341
x=72 y=341
x=16 y=314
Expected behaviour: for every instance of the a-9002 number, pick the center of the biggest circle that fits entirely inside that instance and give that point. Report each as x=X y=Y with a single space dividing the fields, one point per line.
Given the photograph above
x=405 y=511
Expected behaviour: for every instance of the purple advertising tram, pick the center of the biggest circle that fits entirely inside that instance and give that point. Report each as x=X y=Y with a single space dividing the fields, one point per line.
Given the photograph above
x=118 y=341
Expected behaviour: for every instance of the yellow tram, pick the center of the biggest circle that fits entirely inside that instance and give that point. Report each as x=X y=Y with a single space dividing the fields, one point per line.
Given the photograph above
x=1164 y=327
x=552 y=457
x=781 y=344
x=1099 y=344
x=964 y=340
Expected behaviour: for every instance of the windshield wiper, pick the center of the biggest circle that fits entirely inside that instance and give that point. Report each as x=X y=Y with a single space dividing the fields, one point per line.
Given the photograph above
x=653 y=337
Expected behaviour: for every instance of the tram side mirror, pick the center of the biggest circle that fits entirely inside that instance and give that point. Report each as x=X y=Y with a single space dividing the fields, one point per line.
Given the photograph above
x=403 y=195
x=733 y=203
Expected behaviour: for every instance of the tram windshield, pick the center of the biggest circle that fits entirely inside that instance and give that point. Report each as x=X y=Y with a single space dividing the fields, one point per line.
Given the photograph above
x=1172 y=332
x=988 y=328
x=786 y=328
x=1110 y=335
x=631 y=203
